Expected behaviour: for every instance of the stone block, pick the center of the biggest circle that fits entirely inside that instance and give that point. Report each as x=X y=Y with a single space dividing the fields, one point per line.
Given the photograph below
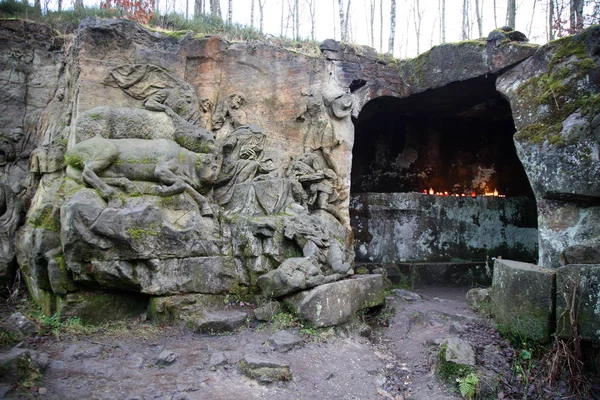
x=586 y=280
x=333 y=303
x=522 y=299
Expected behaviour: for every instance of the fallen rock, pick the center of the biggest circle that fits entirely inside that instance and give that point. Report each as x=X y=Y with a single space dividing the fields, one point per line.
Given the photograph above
x=459 y=351
x=283 y=341
x=217 y=360
x=84 y=350
x=333 y=303
x=22 y=365
x=19 y=322
x=166 y=357
x=265 y=369
x=477 y=297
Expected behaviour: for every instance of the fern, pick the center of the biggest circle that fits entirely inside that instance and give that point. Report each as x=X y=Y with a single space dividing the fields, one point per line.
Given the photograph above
x=468 y=385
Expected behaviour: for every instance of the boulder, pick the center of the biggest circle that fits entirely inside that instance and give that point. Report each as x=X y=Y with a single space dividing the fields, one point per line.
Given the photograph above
x=585 y=281
x=265 y=369
x=522 y=299
x=333 y=303
x=478 y=297
x=553 y=96
x=459 y=351
x=283 y=341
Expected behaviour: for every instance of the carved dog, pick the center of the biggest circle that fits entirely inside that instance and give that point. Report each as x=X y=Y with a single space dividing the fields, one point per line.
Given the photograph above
x=103 y=162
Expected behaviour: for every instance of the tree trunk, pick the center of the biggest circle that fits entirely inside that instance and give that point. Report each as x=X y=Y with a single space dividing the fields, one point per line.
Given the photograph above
x=511 y=13
x=465 y=20
x=478 y=15
x=495 y=16
x=576 y=15
x=187 y=9
x=347 y=21
x=59 y=5
x=372 y=25
x=215 y=8
x=342 y=20
x=252 y=16
x=417 y=19
x=550 y=20
x=443 y=21
x=392 y=28
x=381 y=26
x=297 y=12
x=261 y=11
x=197 y=8
x=312 y=4
x=230 y=13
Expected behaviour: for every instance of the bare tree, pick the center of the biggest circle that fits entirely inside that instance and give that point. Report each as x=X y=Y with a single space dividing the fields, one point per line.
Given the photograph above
x=511 y=13
x=187 y=9
x=531 y=21
x=495 y=15
x=344 y=18
x=442 y=6
x=478 y=12
x=392 y=27
x=381 y=26
x=576 y=16
x=312 y=5
x=215 y=8
x=252 y=15
x=465 y=20
x=372 y=29
x=261 y=11
x=230 y=13
x=417 y=20
x=297 y=13
x=550 y=20
x=199 y=7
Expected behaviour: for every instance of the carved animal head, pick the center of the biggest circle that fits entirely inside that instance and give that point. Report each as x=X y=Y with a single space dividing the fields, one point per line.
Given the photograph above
x=207 y=168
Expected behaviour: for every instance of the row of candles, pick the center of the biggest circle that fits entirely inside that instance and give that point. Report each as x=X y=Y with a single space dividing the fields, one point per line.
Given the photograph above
x=473 y=193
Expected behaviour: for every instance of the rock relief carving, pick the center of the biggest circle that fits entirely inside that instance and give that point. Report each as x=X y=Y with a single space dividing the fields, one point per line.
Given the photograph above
x=140 y=182
x=171 y=110
x=105 y=162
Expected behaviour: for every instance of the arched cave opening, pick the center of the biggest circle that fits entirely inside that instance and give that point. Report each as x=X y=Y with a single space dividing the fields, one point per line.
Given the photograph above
x=454 y=141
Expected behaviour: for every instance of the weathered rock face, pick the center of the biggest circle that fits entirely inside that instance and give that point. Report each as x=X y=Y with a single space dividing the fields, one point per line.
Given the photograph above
x=166 y=167
x=183 y=167
x=554 y=98
x=32 y=86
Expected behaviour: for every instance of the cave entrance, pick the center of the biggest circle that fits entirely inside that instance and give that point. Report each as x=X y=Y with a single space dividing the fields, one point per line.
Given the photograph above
x=436 y=179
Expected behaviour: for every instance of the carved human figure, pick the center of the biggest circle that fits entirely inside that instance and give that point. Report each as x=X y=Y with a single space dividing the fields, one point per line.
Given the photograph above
x=318 y=182
x=243 y=160
x=320 y=136
x=229 y=116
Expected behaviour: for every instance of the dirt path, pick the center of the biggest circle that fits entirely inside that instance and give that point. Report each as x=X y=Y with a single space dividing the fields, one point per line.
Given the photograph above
x=394 y=361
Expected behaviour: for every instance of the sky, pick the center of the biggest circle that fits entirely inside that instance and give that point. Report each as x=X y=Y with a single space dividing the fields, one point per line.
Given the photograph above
x=531 y=20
